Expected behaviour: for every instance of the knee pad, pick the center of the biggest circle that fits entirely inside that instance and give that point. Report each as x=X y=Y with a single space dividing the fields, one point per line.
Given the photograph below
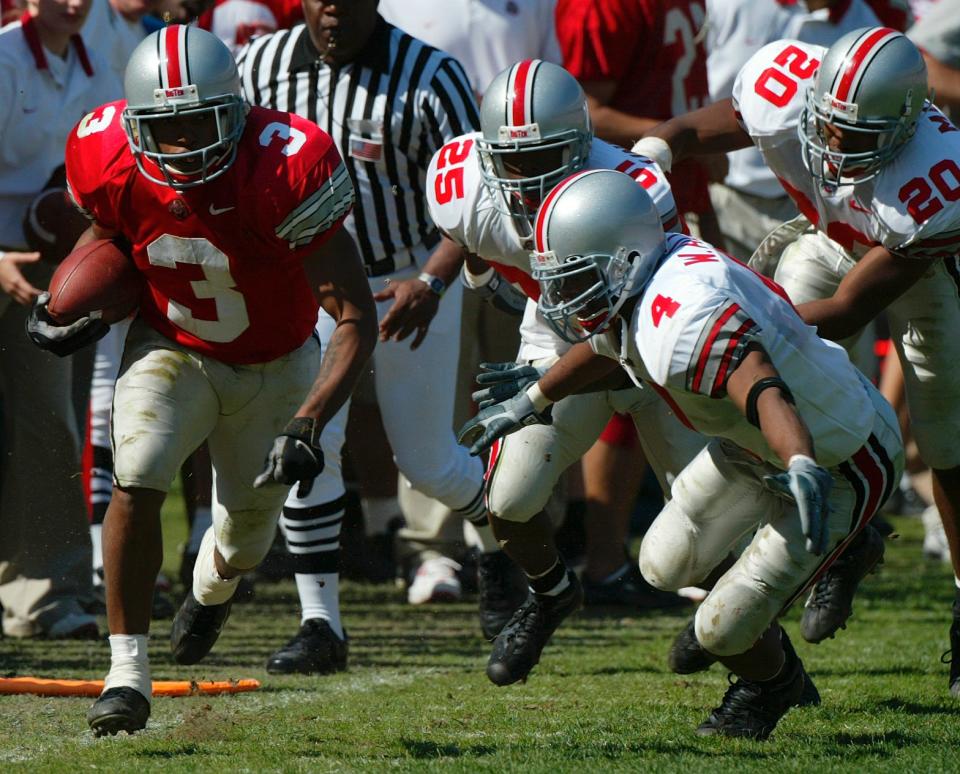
x=667 y=552
x=733 y=617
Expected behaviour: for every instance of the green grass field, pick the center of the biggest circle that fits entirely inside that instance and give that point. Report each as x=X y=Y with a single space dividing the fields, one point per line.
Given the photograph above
x=416 y=697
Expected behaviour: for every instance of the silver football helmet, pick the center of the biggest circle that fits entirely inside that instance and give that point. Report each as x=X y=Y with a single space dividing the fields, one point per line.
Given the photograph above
x=183 y=72
x=872 y=84
x=536 y=131
x=597 y=240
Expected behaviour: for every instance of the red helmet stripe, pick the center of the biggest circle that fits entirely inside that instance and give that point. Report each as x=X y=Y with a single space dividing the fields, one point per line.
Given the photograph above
x=522 y=83
x=174 y=48
x=857 y=63
x=543 y=214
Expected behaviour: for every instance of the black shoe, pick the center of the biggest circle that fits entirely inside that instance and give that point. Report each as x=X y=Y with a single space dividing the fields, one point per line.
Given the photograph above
x=629 y=589
x=686 y=655
x=517 y=648
x=503 y=589
x=830 y=603
x=119 y=709
x=753 y=709
x=196 y=629
x=315 y=649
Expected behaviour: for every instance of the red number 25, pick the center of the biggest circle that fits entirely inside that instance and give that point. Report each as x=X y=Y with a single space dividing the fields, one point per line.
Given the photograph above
x=449 y=185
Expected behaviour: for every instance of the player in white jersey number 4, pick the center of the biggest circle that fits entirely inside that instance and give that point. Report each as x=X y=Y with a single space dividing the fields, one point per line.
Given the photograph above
x=875 y=169
x=804 y=449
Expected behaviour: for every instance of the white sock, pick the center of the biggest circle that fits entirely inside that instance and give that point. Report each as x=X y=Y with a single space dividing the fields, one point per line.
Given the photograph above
x=320 y=598
x=378 y=513
x=129 y=666
x=956 y=580
x=481 y=536
x=202 y=521
x=96 y=539
x=208 y=587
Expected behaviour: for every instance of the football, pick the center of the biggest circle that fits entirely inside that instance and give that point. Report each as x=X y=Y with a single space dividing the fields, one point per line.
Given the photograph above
x=96 y=277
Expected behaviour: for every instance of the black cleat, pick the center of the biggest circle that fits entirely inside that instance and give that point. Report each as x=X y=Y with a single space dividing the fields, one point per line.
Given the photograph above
x=751 y=710
x=315 y=649
x=119 y=709
x=196 y=628
x=502 y=588
x=629 y=589
x=686 y=655
x=830 y=603
x=517 y=648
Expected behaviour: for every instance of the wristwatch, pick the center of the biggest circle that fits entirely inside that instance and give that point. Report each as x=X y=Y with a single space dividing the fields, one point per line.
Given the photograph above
x=435 y=284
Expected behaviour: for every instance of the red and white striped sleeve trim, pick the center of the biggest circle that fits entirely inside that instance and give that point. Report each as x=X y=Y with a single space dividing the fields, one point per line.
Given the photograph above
x=721 y=345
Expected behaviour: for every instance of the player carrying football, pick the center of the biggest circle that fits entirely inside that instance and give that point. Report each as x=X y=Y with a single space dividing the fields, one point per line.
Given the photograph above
x=233 y=215
x=804 y=449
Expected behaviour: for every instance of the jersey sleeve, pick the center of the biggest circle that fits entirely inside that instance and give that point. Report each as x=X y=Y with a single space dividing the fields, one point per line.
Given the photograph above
x=90 y=148
x=598 y=37
x=768 y=93
x=446 y=201
x=693 y=344
x=320 y=196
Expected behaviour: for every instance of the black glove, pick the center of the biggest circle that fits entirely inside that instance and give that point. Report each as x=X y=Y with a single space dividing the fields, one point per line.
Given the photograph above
x=296 y=457
x=504 y=380
x=62 y=340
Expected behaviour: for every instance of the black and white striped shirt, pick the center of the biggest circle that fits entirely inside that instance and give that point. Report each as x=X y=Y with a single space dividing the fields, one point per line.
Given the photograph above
x=388 y=111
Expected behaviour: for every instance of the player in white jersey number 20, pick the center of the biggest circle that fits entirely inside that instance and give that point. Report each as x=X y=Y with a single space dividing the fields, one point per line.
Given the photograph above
x=803 y=448
x=875 y=169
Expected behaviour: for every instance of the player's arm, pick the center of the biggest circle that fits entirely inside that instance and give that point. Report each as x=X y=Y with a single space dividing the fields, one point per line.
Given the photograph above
x=756 y=389
x=609 y=123
x=336 y=273
x=869 y=287
x=712 y=129
x=415 y=302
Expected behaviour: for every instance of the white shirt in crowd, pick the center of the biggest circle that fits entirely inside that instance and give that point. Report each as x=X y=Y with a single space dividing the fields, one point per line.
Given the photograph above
x=43 y=96
x=486 y=36
x=112 y=36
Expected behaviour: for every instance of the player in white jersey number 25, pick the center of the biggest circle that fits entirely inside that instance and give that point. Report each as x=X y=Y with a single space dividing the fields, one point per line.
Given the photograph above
x=803 y=448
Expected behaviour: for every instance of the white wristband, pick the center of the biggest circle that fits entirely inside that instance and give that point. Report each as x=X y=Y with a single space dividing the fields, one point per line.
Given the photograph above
x=474 y=281
x=2 y=255
x=801 y=457
x=656 y=149
x=537 y=398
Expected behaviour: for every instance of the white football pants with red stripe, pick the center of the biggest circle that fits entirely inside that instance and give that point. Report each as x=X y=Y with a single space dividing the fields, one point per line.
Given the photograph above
x=924 y=322
x=720 y=497
x=526 y=465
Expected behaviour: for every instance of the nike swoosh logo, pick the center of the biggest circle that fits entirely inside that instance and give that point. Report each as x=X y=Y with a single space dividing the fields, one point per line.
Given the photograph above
x=220 y=210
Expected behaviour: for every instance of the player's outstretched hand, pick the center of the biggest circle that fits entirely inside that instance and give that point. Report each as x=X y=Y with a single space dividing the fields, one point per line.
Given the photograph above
x=499 y=420
x=414 y=307
x=808 y=485
x=504 y=380
x=295 y=458
x=62 y=340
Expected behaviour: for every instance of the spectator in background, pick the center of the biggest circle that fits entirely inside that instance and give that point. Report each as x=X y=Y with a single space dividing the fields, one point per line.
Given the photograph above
x=937 y=35
x=641 y=62
x=115 y=27
x=236 y=21
x=48 y=80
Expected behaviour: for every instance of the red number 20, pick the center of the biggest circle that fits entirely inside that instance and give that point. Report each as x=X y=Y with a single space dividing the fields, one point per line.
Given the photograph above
x=917 y=193
x=449 y=185
x=797 y=63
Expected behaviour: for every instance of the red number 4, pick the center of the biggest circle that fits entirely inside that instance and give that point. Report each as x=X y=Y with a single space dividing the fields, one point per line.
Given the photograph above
x=662 y=305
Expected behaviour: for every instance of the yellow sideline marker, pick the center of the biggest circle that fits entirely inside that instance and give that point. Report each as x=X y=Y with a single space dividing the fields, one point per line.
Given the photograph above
x=40 y=686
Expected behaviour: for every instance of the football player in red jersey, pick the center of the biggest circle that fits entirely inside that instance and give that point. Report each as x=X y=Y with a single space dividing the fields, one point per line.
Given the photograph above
x=233 y=215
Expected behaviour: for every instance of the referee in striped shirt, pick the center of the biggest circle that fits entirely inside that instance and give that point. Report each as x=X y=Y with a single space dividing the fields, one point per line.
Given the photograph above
x=390 y=102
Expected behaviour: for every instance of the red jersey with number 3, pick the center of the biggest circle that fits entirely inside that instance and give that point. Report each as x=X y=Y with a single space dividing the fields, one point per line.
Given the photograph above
x=912 y=207
x=697 y=318
x=223 y=261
